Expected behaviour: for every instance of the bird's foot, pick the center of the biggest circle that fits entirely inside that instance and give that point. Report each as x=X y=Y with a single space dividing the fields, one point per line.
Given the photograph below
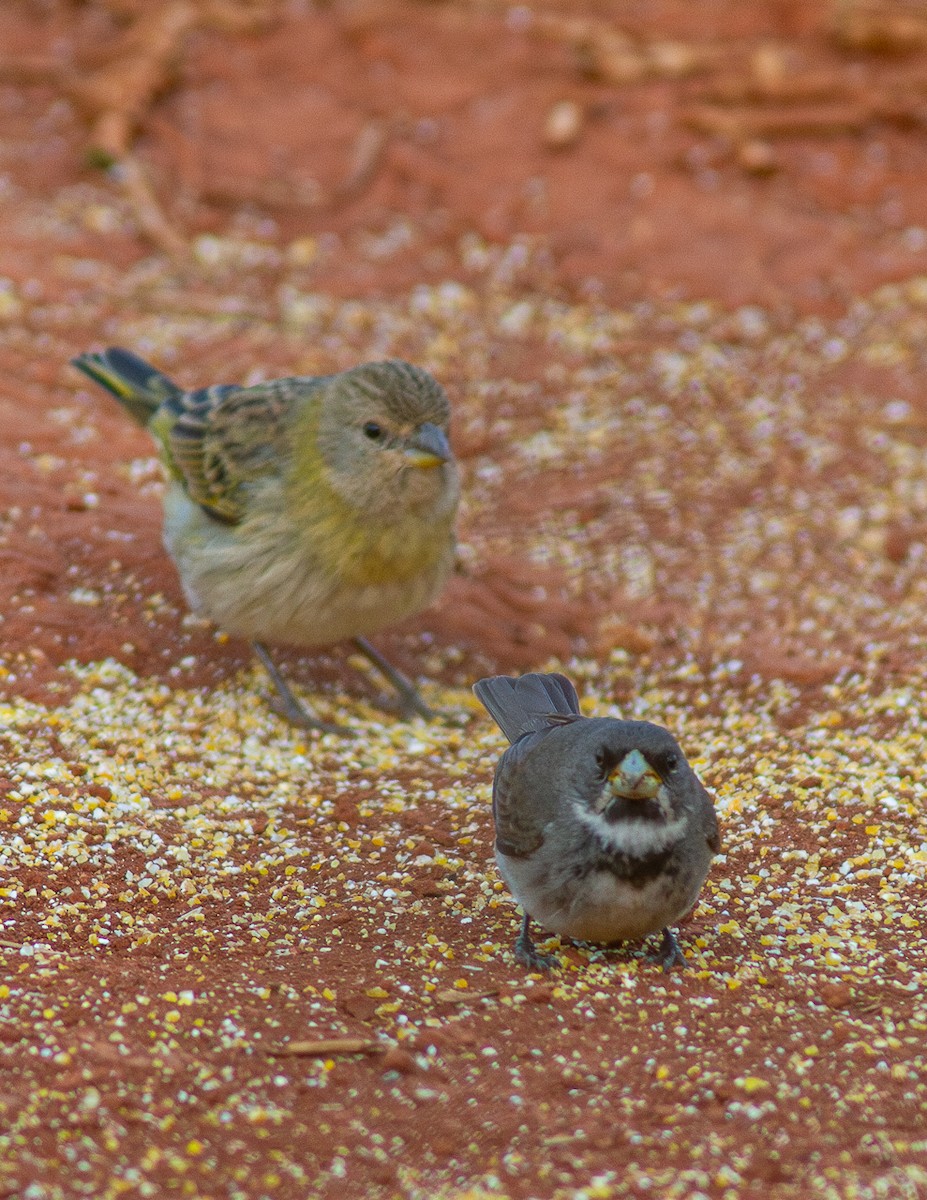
x=392 y=703
x=534 y=960
x=409 y=701
x=285 y=704
x=297 y=714
x=411 y=704
x=670 y=953
x=528 y=954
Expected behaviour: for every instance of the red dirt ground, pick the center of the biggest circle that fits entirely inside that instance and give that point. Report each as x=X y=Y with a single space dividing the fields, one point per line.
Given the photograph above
x=559 y=208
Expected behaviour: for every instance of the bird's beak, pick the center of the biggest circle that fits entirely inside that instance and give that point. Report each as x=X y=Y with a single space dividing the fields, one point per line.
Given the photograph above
x=428 y=447
x=634 y=778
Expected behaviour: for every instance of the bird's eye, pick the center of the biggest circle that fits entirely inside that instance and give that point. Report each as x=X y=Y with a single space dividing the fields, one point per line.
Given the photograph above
x=602 y=761
x=670 y=762
x=373 y=431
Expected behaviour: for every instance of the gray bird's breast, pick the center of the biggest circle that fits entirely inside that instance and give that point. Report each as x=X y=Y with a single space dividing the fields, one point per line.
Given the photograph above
x=593 y=892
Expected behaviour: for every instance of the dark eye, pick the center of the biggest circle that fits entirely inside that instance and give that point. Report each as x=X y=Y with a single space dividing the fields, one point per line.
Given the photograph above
x=670 y=762
x=603 y=762
x=373 y=431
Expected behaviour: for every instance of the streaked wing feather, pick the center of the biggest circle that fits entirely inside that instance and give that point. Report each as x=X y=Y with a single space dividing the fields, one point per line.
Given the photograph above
x=221 y=438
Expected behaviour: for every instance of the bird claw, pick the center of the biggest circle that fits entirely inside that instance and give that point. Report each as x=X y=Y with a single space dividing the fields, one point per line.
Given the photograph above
x=528 y=954
x=455 y=720
x=534 y=960
x=412 y=705
x=408 y=700
x=670 y=953
x=295 y=714
x=285 y=704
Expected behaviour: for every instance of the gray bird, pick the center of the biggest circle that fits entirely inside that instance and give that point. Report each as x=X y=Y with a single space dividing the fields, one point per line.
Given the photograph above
x=603 y=831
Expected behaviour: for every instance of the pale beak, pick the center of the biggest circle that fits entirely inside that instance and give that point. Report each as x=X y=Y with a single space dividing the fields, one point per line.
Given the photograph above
x=634 y=778
x=428 y=447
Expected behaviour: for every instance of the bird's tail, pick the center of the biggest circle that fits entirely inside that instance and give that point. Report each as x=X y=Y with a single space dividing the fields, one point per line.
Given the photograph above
x=138 y=386
x=528 y=703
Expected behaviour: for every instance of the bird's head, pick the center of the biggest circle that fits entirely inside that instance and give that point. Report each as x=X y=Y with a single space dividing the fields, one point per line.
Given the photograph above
x=637 y=773
x=383 y=438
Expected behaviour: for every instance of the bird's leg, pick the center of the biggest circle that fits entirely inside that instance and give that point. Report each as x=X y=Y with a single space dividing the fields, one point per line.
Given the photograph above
x=411 y=703
x=527 y=953
x=285 y=703
x=670 y=953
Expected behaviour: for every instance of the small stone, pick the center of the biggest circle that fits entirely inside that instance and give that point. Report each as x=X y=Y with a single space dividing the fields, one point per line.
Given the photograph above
x=563 y=125
x=836 y=995
x=757 y=157
x=359 y=1006
x=397 y=1059
x=423 y=888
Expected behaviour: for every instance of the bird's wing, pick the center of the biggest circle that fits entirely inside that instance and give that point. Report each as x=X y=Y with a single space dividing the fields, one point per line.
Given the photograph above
x=713 y=832
x=519 y=830
x=708 y=818
x=529 y=703
x=219 y=439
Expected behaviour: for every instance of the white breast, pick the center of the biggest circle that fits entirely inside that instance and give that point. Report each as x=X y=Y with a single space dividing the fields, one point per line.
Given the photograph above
x=599 y=906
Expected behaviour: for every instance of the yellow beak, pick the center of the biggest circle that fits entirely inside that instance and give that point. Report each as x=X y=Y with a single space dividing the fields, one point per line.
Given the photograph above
x=634 y=778
x=428 y=447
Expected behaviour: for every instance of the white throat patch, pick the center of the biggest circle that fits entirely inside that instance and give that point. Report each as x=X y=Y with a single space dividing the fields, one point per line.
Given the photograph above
x=636 y=838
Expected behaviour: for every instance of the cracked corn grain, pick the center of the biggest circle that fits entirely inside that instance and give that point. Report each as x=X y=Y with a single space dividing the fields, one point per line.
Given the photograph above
x=187 y=887
x=241 y=876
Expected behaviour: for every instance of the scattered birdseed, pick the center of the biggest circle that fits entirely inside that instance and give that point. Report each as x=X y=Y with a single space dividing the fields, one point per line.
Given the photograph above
x=188 y=887
x=229 y=891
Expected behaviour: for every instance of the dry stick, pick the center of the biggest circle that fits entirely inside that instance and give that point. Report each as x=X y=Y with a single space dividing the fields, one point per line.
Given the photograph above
x=366 y=159
x=322 y=1047
x=112 y=128
x=464 y=995
x=151 y=220
x=880 y=24
x=809 y=88
x=369 y=149
x=606 y=51
x=742 y=123
x=117 y=96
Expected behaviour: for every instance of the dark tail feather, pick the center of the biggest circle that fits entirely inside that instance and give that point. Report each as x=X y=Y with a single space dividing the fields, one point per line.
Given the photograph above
x=138 y=386
x=528 y=703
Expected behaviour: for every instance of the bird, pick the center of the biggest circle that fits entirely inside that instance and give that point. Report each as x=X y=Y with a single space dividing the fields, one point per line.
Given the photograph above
x=305 y=510
x=604 y=832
